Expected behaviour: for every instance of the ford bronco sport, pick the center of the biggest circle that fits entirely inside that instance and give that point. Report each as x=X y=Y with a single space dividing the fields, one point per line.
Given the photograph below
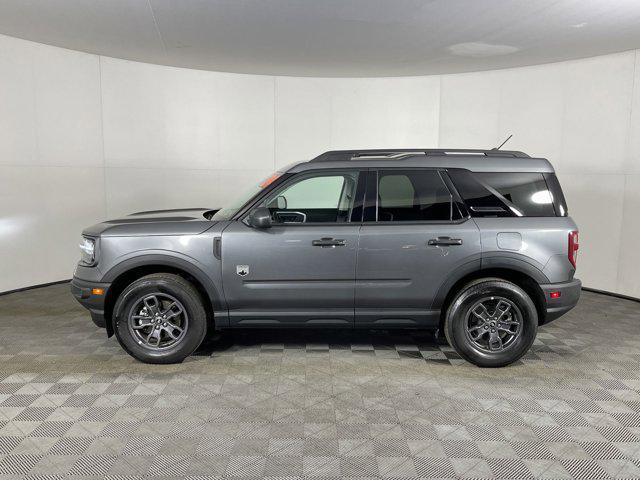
x=476 y=243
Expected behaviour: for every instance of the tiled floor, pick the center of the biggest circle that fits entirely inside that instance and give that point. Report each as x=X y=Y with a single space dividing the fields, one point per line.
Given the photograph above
x=325 y=404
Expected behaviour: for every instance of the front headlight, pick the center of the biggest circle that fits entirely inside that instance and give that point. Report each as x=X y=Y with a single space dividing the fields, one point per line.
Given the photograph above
x=87 y=250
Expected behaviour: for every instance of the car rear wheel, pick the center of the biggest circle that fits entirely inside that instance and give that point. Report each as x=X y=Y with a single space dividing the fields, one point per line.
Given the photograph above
x=160 y=318
x=491 y=322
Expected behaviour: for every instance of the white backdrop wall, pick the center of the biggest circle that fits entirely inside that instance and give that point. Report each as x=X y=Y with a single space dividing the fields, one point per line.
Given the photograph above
x=84 y=137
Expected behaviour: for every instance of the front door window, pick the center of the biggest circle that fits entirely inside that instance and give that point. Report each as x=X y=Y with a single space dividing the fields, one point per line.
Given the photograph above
x=320 y=198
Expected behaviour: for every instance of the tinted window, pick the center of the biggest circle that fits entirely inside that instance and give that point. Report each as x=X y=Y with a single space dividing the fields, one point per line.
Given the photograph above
x=480 y=201
x=317 y=198
x=405 y=196
x=500 y=194
x=526 y=194
x=558 y=197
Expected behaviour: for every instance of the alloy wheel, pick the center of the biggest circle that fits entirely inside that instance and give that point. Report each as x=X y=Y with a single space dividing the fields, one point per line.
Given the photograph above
x=493 y=324
x=158 y=321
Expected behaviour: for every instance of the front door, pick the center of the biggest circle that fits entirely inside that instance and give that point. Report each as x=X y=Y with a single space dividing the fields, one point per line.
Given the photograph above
x=414 y=239
x=301 y=270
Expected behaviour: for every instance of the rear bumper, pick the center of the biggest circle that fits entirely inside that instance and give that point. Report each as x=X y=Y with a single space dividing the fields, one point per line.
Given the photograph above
x=569 y=296
x=82 y=290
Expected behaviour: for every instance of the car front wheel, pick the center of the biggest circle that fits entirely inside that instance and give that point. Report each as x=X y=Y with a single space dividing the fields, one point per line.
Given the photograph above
x=491 y=322
x=160 y=318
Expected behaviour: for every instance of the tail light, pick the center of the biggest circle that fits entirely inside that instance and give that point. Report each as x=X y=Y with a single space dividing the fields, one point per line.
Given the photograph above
x=573 y=247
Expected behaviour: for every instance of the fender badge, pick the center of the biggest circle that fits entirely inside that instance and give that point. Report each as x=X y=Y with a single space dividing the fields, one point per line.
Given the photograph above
x=242 y=270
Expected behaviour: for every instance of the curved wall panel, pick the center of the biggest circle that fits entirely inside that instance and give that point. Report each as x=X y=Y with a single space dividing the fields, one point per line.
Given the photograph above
x=85 y=137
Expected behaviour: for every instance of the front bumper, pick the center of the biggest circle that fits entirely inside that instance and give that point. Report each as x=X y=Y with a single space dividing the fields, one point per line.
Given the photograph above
x=569 y=296
x=82 y=290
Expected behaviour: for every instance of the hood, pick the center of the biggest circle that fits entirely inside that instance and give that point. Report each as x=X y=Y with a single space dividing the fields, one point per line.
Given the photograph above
x=187 y=221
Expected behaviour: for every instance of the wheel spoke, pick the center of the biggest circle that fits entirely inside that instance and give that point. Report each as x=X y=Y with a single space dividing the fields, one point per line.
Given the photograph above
x=476 y=332
x=166 y=310
x=493 y=339
x=171 y=331
x=510 y=322
x=173 y=311
x=152 y=304
x=141 y=326
x=502 y=311
x=141 y=321
x=478 y=336
x=481 y=312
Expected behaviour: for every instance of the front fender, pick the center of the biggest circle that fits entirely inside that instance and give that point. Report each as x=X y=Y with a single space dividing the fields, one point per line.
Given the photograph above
x=173 y=260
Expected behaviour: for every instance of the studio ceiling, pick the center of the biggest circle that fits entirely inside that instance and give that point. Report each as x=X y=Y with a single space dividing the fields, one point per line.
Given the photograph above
x=333 y=38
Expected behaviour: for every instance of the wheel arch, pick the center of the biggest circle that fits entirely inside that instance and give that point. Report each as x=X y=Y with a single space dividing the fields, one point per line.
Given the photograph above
x=523 y=278
x=128 y=271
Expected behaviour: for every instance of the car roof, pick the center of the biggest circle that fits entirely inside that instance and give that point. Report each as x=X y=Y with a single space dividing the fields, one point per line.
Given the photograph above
x=474 y=160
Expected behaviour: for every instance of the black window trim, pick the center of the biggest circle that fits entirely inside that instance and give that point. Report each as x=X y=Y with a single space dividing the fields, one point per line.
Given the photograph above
x=300 y=176
x=244 y=211
x=559 y=200
x=371 y=198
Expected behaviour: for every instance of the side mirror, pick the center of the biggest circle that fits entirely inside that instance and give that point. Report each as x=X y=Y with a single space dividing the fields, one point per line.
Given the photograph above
x=260 y=218
x=279 y=203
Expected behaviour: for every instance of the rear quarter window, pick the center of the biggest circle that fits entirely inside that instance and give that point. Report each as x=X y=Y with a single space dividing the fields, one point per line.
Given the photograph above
x=507 y=194
x=526 y=192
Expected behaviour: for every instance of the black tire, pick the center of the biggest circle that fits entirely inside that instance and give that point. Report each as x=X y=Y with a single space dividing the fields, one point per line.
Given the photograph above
x=164 y=286
x=491 y=291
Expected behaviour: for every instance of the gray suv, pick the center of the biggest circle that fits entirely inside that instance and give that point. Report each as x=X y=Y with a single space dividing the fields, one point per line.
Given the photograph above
x=476 y=243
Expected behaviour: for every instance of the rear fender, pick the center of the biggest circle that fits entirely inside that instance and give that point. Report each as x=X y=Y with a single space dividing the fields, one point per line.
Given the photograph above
x=499 y=262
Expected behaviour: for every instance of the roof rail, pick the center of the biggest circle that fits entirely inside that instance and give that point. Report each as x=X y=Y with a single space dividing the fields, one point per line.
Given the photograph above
x=346 y=155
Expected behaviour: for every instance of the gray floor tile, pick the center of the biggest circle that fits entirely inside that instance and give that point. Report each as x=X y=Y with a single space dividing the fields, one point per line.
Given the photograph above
x=316 y=404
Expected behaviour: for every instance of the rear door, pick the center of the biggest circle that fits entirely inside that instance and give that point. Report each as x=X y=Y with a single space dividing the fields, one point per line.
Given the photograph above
x=416 y=234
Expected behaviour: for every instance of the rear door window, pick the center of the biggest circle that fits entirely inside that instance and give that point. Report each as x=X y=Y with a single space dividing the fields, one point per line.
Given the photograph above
x=413 y=195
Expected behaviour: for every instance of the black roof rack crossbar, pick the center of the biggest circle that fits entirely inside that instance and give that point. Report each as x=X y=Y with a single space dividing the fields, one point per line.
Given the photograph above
x=345 y=155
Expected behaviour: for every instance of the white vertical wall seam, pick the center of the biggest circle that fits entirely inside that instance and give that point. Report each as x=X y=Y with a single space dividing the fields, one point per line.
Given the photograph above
x=562 y=122
x=502 y=135
x=35 y=151
x=104 y=154
x=440 y=111
x=275 y=130
x=625 y=173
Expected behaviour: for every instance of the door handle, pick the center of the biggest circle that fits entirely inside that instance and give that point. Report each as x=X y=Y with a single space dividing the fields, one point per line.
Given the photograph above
x=328 y=242
x=444 y=242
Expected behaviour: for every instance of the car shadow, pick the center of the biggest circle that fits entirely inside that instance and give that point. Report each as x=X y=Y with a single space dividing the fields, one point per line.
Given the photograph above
x=311 y=339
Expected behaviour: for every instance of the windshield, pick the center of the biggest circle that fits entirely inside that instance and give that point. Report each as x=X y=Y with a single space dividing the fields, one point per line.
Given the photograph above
x=232 y=208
